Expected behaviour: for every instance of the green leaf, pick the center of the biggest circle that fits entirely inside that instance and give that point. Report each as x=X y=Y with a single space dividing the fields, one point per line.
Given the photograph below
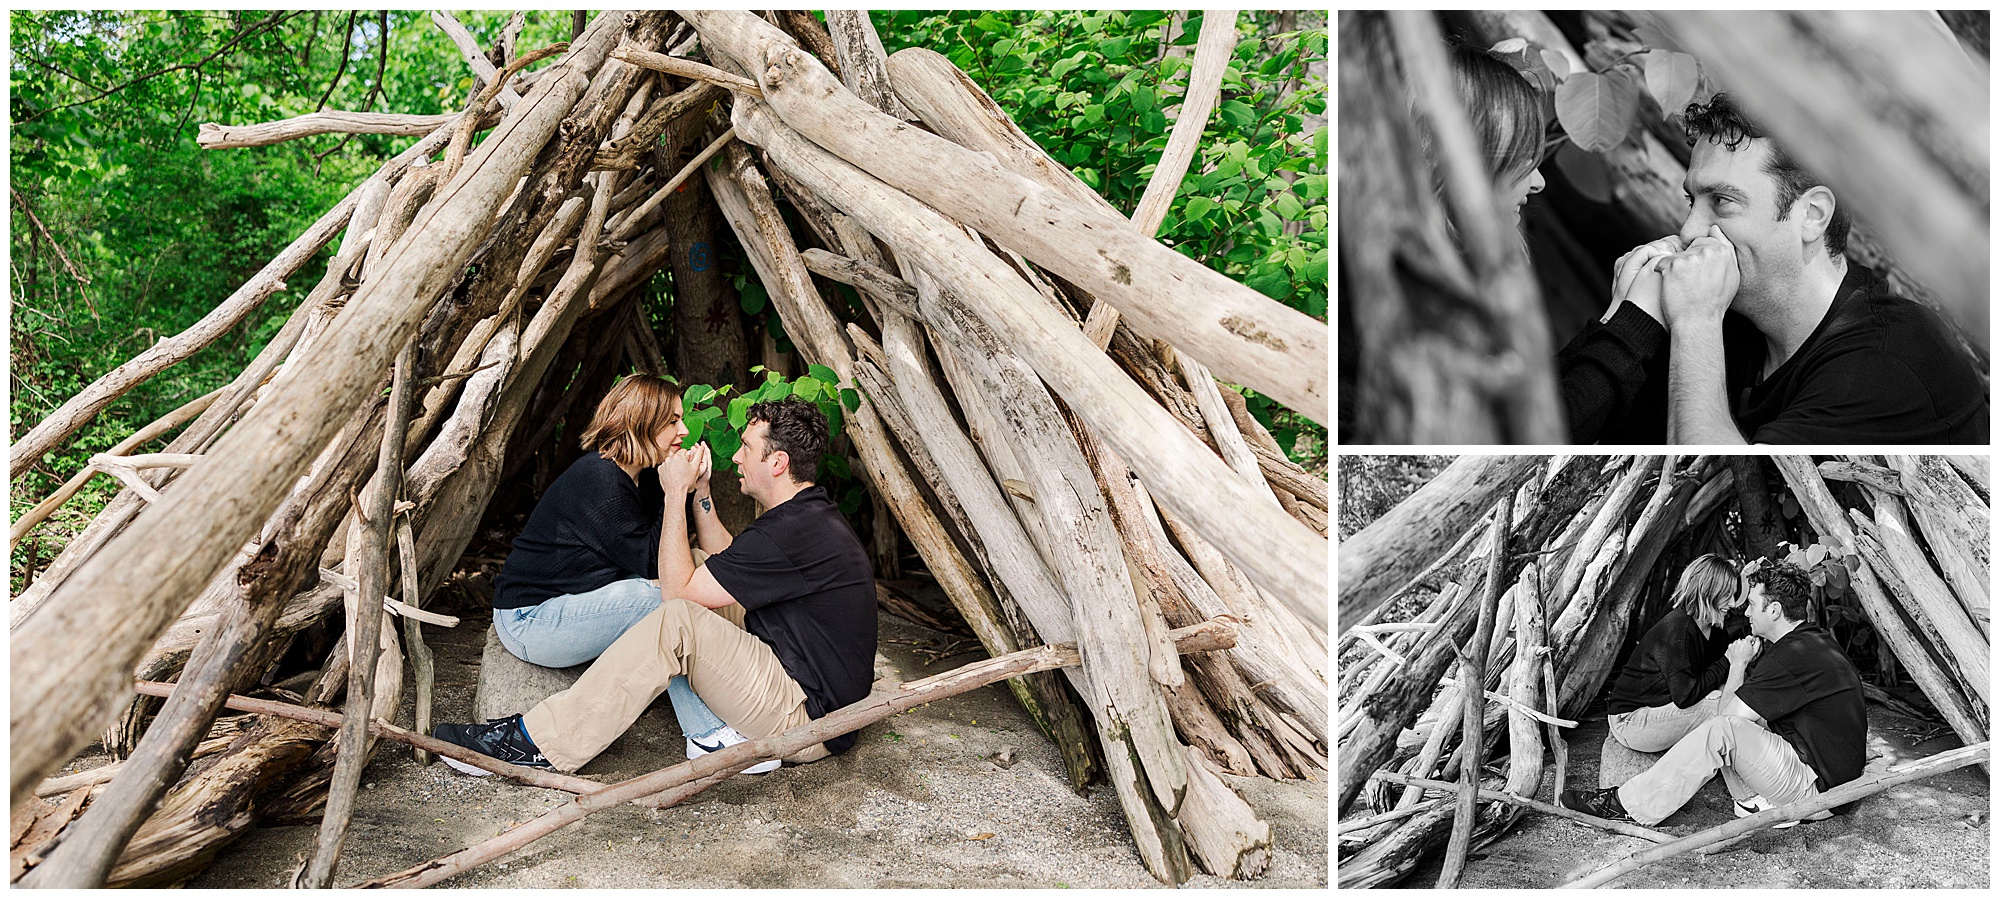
x=1198 y=207
x=1597 y=109
x=850 y=398
x=1671 y=78
x=823 y=373
x=739 y=412
x=696 y=395
x=752 y=298
x=836 y=465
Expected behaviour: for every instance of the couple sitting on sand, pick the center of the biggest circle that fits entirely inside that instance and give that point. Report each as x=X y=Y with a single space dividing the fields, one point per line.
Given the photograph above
x=1779 y=713
x=776 y=627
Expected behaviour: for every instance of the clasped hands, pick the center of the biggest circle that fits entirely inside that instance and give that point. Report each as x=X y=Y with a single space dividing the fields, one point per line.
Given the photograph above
x=1744 y=651
x=685 y=469
x=1679 y=282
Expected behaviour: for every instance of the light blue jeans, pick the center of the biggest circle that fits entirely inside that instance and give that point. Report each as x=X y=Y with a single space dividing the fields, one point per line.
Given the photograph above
x=574 y=628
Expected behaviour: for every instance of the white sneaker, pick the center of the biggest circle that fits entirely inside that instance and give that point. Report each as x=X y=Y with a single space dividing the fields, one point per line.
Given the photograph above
x=727 y=736
x=1747 y=807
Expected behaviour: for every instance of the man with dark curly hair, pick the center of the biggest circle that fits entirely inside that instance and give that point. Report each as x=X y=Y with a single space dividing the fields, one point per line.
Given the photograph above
x=1791 y=724
x=1754 y=327
x=776 y=628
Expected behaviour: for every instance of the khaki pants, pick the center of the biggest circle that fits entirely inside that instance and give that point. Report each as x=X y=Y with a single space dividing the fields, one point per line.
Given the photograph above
x=1752 y=761
x=732 y=670
x=1658 y=728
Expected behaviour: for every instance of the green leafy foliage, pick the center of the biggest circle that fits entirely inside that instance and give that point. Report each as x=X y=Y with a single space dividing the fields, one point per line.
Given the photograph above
x=720 y=415
x=1600 y=110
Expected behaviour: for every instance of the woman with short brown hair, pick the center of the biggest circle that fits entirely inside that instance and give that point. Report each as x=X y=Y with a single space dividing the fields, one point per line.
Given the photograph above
x=581 y=571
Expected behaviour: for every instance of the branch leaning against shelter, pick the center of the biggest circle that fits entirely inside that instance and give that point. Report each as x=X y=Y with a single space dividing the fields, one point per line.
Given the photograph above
x=490 y=277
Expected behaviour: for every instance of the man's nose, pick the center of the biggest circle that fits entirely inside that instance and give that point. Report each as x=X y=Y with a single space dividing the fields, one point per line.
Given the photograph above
x=1695 y=226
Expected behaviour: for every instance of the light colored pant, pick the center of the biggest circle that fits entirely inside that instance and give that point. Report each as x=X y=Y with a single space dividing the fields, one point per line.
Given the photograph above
x=1658 y=728
x=738 y=675
x=1752 y=761
x=574 y=628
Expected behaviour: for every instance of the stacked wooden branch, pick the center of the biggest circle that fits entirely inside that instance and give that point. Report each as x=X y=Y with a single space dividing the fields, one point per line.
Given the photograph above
x=1584 y=562
x=1057 y=489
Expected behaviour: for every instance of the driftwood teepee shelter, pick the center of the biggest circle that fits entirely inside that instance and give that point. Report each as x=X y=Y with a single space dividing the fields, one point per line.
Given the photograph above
x=1041 y=418
x=1532 y=575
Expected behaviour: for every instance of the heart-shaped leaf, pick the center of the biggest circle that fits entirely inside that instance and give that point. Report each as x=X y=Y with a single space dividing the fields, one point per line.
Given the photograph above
x=1597 y=109
x=1671 y=78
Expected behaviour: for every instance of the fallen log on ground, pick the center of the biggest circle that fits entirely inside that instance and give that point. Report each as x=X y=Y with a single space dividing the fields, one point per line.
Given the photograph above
x=1851 y=791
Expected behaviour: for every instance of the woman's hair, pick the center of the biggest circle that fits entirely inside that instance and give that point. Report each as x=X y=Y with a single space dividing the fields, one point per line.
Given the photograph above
x=628 y=419
x=1505 y=110
x=1708 y=585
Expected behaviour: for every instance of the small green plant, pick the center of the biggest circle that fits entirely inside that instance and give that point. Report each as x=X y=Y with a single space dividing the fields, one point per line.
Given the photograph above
x=719 y=415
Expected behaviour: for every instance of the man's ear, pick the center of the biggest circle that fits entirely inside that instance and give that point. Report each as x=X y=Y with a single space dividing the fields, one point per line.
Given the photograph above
x=1815 y=209
x=781 y=463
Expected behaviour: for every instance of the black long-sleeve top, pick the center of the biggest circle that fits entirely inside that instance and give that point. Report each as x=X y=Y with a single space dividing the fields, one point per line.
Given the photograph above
x=1673 y=664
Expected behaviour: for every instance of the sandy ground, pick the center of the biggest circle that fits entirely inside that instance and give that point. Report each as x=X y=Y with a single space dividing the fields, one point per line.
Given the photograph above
x=919 y=802
x=1926 y=834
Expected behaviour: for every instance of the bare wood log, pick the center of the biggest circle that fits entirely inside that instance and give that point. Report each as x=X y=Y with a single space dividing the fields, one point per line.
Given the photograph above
x=1382 y=556
x=1890 y=549
x=1976 y=469
x=630 y=223
x=1955 y=522
x=1472 y=673
x=422 y=665
x=1845 y=793
x=1524 y=736
x=1288 y=558
x=810 y=34
x=1605 y=824
x=687 y=778
x=1233 y=842
x=628 y=150
x=1128 y=709
x=887 y=289
x=475 y=56
x=365 y=624
x=687 y=68
x=860 y=54
x=1826 y=518
x=222 y=137
x=1906 y=101
x=1246 y=337
x=1363 y=825
x=141 y=437
x=119 y=608
x=1881 y=478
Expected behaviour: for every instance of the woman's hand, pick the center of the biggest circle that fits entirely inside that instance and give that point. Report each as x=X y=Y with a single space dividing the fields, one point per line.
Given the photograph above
x=1636 y=277
x=701 y=451
x=679 y=471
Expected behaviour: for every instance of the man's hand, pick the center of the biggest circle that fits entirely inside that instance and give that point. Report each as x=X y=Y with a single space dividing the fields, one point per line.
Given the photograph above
x=1744 y=651
x=1698 y=282
x=680 y=470
x=1636 y=276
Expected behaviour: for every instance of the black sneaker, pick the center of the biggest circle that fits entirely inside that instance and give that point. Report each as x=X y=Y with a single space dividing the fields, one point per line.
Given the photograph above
x=1597 y=803
x=504 y=739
